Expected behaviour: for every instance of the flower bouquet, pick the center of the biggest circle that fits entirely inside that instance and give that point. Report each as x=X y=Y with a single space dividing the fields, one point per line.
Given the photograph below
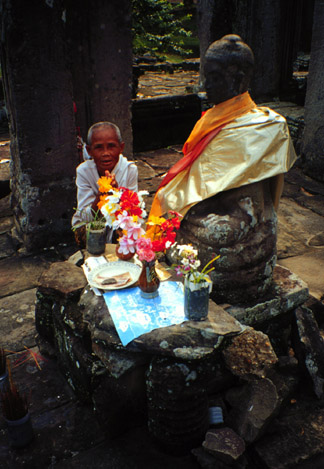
x=124 y=211
x=197 y=284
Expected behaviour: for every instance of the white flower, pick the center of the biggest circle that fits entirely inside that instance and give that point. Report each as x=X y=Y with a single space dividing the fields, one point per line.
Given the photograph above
x=185 y=261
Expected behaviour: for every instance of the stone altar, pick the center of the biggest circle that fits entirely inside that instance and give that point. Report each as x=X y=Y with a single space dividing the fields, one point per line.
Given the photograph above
x=170 y=376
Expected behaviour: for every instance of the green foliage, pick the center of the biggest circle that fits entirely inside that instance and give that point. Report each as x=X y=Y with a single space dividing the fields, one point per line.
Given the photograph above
x=159 y=27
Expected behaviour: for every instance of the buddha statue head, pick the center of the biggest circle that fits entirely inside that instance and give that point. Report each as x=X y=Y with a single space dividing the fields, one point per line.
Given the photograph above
x=228 y=68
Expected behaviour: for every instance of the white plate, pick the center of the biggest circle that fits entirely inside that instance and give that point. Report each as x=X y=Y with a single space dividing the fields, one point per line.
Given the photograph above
x=114 y=268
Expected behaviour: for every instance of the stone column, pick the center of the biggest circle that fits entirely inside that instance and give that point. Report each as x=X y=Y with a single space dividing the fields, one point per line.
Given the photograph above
x=214 y=21
x=271 y=28
x=38 y=91
x=99 y=36
x=313 y=139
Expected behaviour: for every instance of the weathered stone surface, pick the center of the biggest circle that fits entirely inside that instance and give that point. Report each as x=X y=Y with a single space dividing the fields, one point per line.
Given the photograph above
x=161 y=160
x=189 y=340
x=304 y=267
x=63 y=279
x=296 y=439
x=5 y=208
x=224 y=443
x=254 y=405
x=145 y=171
x=42 y=173
x=240 y=225
x=177 y=404
x=6 y=223
x=120 y=402
x=59 y=289
x=76 y=362
x=309 y=347
x=288 y=292
x=47 y=389
x=286 y=377
x=208 y=461
x=249 y=353
x=6 y=246
x=313 y=137
x=297 y=228
x=119 y=363
x=17 y=316
x=17 y=275
x=101 y=64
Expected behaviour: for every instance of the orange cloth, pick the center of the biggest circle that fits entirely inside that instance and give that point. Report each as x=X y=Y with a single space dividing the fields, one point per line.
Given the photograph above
x=206 y=128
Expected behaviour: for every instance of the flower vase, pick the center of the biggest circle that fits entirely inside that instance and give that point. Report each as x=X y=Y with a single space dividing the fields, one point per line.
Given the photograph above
x=96 y=241
x=124 y=257
x=149 y=281
x=196 y=298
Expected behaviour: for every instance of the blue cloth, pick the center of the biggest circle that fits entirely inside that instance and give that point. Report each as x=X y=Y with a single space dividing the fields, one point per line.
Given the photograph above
x=134 y=315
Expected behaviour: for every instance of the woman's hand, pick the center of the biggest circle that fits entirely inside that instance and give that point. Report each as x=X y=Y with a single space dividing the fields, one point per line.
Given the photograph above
x=94 y=206
x=113 y=179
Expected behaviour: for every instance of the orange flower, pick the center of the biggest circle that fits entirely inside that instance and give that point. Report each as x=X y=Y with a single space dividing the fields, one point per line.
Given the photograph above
x=104 y=184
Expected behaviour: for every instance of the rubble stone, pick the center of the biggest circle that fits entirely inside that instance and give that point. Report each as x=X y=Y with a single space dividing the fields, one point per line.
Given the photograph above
x=309 y=346
x=224 y=443
x=254 y=405
x=249 y=353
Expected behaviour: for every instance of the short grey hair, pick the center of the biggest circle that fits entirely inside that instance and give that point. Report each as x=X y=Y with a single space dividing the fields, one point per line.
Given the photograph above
x=102 y=125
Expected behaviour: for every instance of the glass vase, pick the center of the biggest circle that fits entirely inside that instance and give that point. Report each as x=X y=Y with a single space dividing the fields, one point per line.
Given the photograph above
x=96 y=241
x=196 y=298
x=149 y=281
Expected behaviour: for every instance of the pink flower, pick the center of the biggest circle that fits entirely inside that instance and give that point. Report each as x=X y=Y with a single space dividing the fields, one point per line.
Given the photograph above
x=135 y=231
x=144 y=243
x=144 y=249
x=126 y=245
x=146 y=255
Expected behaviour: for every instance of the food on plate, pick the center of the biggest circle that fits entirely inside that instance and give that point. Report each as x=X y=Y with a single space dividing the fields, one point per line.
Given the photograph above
x=116 y=280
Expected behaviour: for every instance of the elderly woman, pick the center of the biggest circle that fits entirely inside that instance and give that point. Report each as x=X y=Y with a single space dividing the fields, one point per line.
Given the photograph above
x=105 y=146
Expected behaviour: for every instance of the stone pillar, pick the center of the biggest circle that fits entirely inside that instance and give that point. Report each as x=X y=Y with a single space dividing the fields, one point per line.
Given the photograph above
x=100 y=43
x=258 y=23
x=313 y=139
x=42 y=130
x=214 y=21
x=271 y=28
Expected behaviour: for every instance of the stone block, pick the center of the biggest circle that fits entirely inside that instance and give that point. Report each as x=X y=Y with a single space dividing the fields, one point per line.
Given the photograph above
x=272 y=315
x=309 y=347
x=296 y=439
x=224 y=444
x=250 y=354
x=253 y=406
x=59 y=287
x=79 y=366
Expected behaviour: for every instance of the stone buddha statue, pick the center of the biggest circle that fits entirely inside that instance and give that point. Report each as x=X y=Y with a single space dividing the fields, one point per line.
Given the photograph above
x=229 y=182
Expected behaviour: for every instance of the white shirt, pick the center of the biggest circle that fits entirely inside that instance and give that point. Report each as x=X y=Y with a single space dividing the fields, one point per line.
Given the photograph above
x=87 y=187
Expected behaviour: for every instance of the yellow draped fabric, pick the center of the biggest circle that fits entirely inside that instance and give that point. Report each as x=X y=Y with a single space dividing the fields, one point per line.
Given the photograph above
x=253 y=147
x=218 y=116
